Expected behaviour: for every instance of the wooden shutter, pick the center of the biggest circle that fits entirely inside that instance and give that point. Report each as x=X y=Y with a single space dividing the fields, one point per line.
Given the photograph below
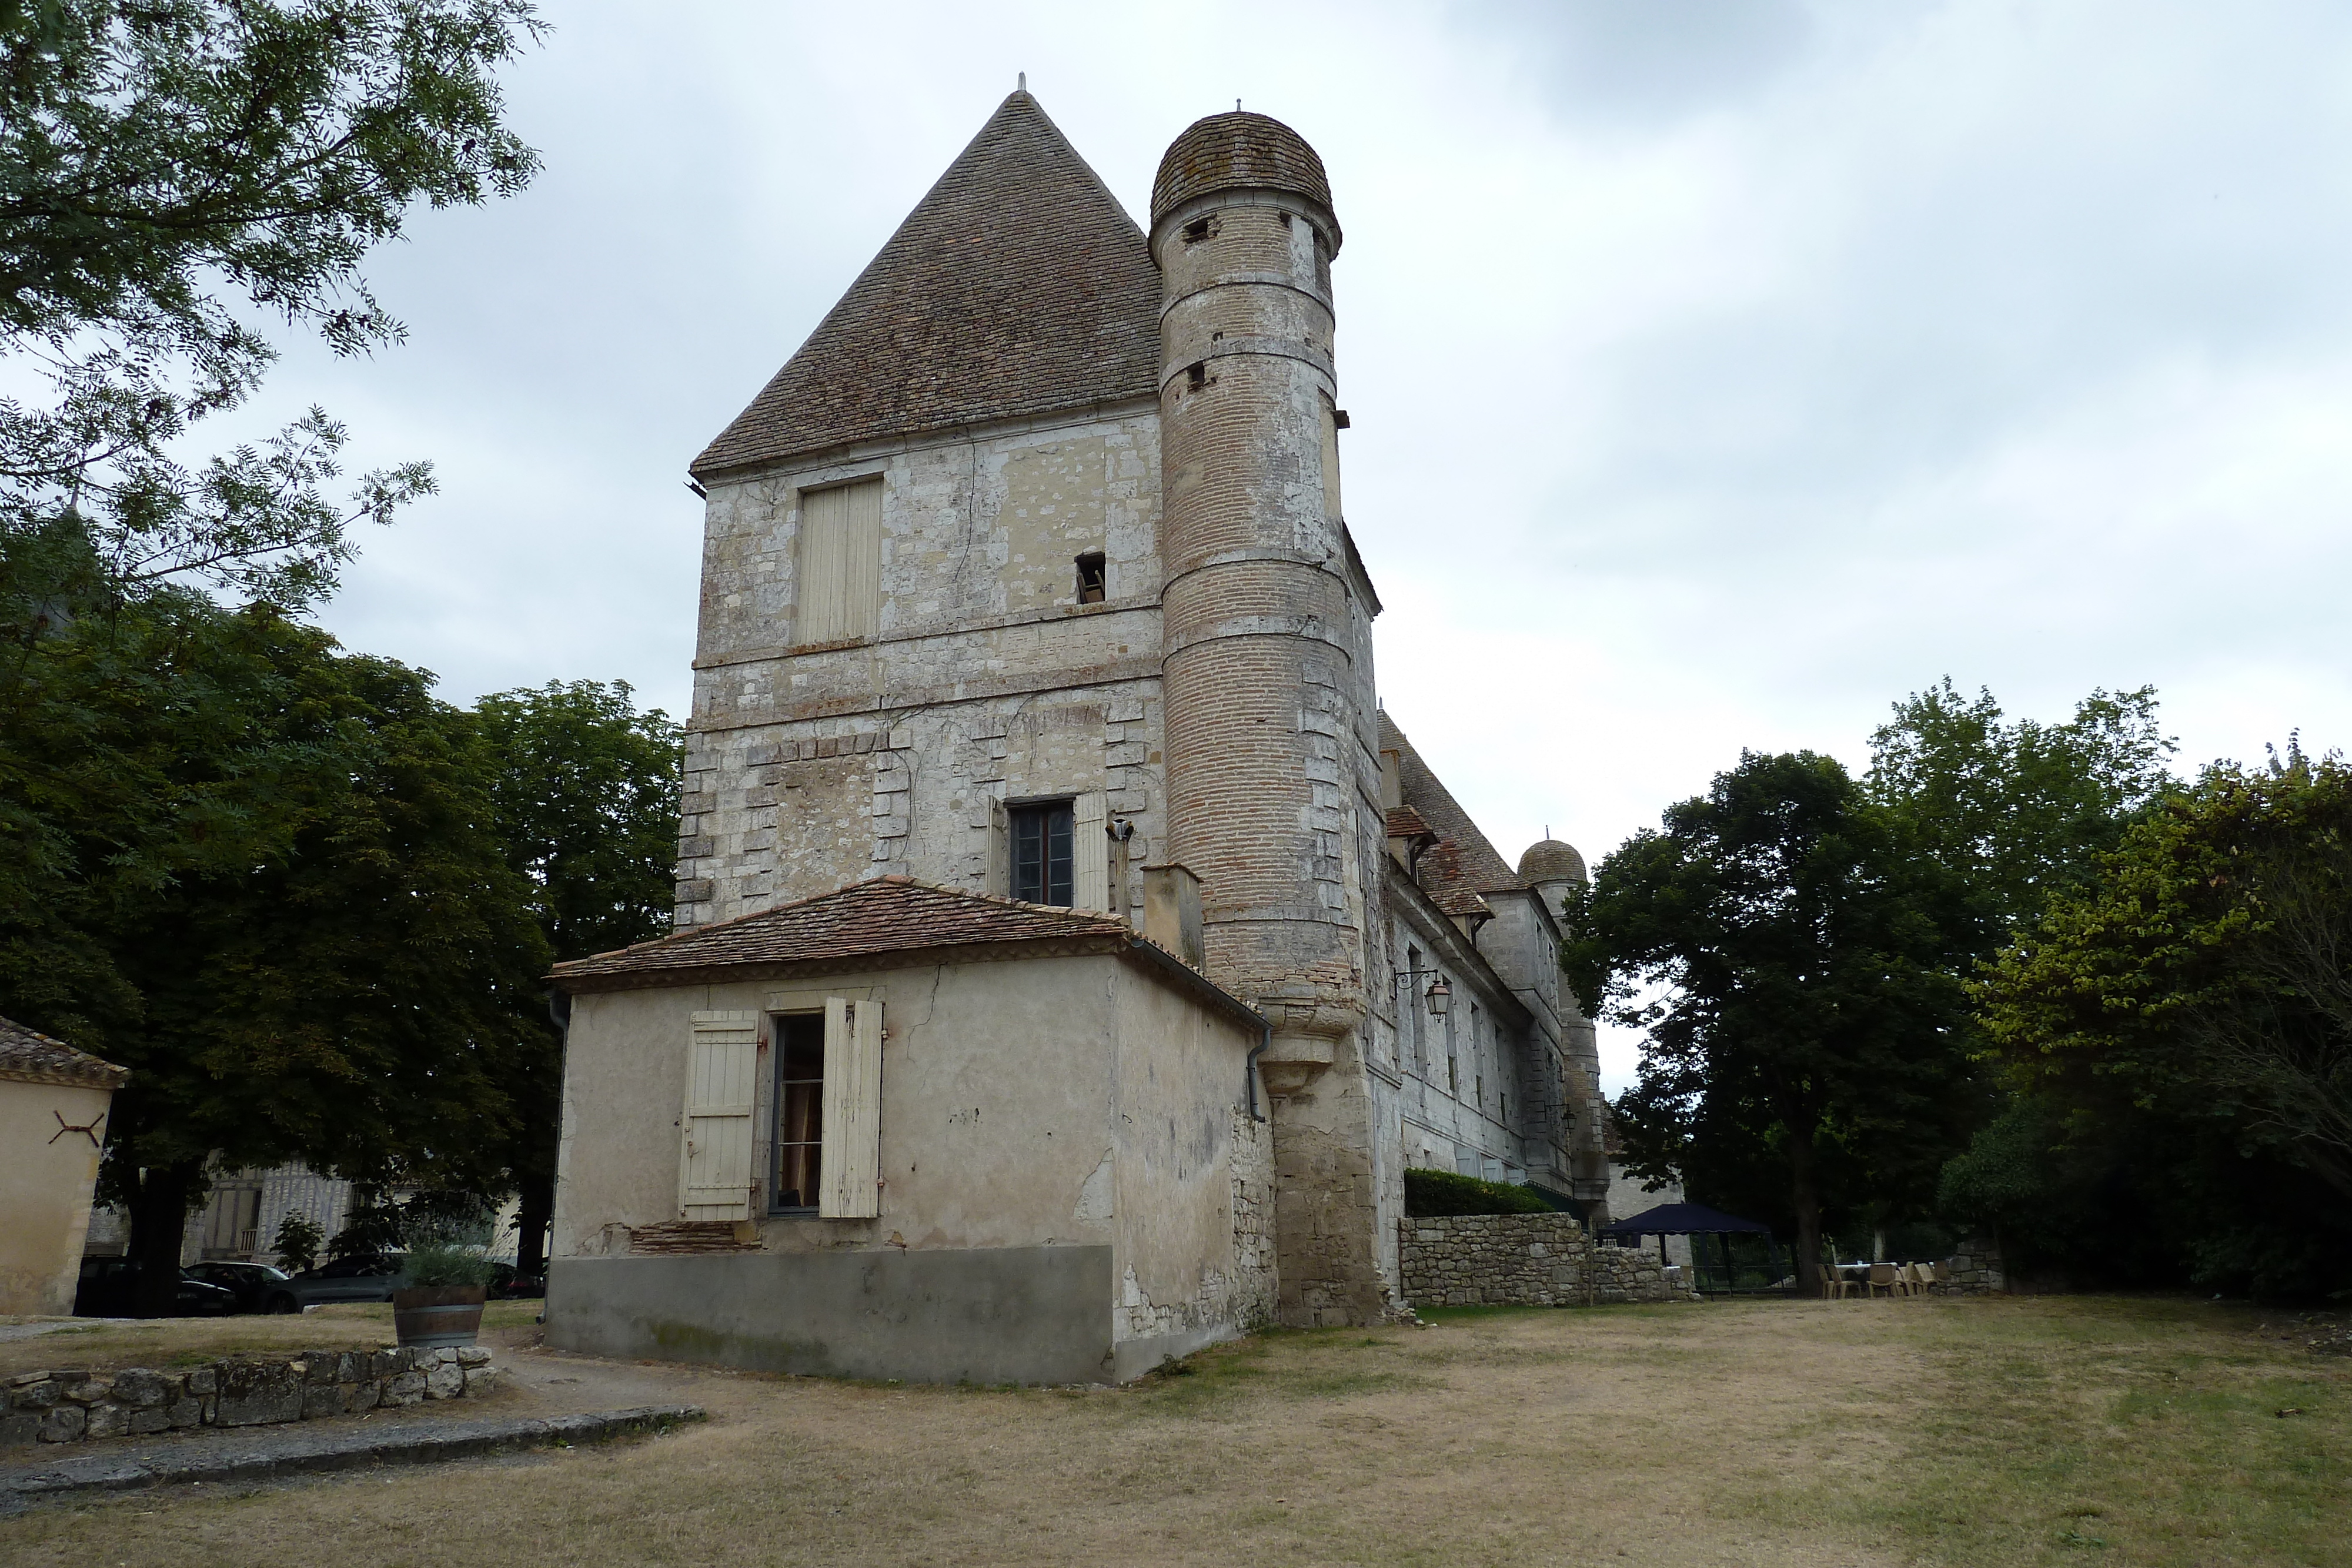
x=850 y=1187
x=714 y=1172
x=1089 y=853
x=840 y=588
x=862 y=559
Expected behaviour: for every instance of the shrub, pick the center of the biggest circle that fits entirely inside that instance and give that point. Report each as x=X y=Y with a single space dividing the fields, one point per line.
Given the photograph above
x=447 y=1263
x=1432 y=1193
x=299 y=1240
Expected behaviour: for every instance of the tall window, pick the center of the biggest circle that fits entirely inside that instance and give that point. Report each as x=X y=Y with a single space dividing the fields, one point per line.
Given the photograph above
x=1414 y=1007
x=840 y=589
x=1040 y=853
x=800 y=1110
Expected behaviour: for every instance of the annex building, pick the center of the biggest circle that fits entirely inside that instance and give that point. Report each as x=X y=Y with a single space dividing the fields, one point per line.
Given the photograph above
x=1072 y=954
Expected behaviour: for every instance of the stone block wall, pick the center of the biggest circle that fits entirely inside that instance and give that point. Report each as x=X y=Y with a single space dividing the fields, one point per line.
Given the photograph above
x=72 y=1404
x=1256 y=1284
x=1974 y=1271
x=1525 y=1260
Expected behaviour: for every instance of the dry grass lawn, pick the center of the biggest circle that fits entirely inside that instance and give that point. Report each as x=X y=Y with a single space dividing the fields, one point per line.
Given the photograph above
x=1980 y=1432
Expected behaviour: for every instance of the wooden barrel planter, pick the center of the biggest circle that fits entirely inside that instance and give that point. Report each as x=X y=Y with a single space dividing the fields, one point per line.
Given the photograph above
x=430 y=1316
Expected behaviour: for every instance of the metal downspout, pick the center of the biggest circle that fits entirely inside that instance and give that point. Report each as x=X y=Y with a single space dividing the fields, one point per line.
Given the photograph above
x=1249 y=1068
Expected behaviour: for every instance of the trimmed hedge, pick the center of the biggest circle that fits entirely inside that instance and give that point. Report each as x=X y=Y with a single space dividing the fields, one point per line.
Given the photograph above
x=1432 y=1193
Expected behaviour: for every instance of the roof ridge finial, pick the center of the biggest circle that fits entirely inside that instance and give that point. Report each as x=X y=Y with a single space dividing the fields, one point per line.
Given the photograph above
x=1237 y=106
x=1023 y=78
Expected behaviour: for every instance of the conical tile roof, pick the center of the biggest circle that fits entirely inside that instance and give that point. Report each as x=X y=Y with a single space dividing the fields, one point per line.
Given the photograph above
x=1017 y=287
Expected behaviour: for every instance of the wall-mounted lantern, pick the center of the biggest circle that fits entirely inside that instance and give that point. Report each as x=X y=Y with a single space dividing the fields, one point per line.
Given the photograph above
x=1438 y=997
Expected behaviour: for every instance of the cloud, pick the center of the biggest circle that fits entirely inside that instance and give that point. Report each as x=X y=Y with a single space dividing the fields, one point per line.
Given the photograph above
x=1720 y=372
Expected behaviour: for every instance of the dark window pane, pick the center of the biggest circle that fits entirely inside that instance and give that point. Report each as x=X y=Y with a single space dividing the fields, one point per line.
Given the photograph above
x=800 y=1110
x=1029 y=855
x=1041 y=853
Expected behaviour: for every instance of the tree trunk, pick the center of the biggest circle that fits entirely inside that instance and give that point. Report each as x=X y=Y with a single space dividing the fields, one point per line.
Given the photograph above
x=159 y=1219
x=1805 y=1191
x=536 y=1208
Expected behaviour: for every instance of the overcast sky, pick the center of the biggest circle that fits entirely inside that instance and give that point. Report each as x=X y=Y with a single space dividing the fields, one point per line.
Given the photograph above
x=1721 y=371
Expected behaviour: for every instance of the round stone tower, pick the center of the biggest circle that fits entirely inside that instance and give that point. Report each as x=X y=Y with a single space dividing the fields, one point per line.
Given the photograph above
x=1267 y=679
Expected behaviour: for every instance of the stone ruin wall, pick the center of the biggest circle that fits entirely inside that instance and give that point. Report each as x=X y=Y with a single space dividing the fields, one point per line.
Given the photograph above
x=1526 y=1261
x=74 y=1405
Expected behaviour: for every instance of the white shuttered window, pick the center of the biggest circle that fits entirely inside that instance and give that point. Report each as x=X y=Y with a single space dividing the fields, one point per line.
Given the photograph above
x=714 y=1179
x=850 y=1185
x=840 y=589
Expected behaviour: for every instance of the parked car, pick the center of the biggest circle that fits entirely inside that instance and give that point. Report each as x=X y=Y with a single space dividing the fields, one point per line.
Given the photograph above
x=109 y=1288
x=252 y=1282
x=507 y=1285
x=365 y=1277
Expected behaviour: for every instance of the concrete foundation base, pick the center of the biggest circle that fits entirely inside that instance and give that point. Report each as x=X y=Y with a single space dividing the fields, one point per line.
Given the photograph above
x=1015 y=1314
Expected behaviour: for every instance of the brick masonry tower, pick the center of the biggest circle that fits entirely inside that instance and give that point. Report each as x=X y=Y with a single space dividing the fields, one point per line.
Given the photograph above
x=1272 y=789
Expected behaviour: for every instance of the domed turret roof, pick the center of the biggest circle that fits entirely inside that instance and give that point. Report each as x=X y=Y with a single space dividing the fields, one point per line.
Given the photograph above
x=1240 y=152
x=1551 y=861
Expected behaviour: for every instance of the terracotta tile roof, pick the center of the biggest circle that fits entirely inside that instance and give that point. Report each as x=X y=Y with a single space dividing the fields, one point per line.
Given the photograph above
x=1404 y=822
x=1017 y=287
x=889 y=915
x=1462 y=862
x=37 y=1058
x=1240 y=152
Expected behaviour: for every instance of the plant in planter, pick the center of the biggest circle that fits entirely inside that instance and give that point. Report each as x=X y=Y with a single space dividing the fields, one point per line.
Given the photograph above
x=439 y=1301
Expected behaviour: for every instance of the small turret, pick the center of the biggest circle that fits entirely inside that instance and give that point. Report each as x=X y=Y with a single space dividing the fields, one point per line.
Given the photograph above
x=1551 y=868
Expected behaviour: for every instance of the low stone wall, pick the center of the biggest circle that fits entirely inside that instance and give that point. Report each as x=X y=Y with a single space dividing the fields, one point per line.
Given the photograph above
x=1525 y=1260
x=1974 y=1271
x=73 y=1405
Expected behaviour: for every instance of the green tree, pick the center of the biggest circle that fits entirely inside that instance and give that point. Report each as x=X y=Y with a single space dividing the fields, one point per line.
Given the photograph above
x=587 y=805
x=299 y=1238
x=2019 y=811
x=2185 y=1023
x=1792 y=960
x=175 y=175
x=356 y=991
x=171 y=171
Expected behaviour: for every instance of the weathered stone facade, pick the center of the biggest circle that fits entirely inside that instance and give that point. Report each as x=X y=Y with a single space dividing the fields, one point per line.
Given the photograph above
x=73 y=1405
x=1526 y=1261
x=1113 y=570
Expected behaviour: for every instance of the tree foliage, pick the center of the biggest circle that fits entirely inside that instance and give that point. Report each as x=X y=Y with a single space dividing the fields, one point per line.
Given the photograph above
x=293 y=921
x=2181 y=1028
x=172 y=173
x=260 y=872
x=2019 y=811
x=587 y=800
x=586 y=796
x=1792 y=961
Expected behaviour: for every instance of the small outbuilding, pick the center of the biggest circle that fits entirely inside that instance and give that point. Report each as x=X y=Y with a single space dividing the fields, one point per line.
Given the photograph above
x=54 y=1101
x=907 y=1130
